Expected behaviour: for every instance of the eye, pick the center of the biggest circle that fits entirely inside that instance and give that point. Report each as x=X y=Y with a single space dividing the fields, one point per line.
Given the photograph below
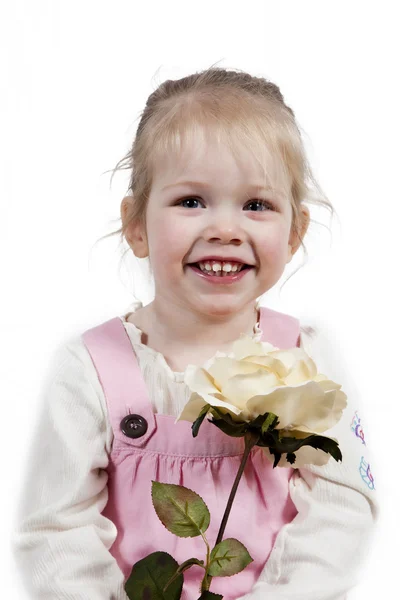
x=265 y=203
x=186 y=199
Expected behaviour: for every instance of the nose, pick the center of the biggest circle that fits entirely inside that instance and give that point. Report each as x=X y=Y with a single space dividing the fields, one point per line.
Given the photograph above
x=224 y=227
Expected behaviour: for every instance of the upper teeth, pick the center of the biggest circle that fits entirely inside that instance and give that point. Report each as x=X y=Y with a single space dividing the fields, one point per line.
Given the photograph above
x=218 y=266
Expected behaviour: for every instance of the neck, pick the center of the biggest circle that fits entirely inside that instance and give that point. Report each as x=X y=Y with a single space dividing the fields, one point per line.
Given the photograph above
x=183 y=327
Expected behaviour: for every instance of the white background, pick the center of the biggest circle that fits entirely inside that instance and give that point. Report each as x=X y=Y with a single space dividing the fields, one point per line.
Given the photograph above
x=75 y=76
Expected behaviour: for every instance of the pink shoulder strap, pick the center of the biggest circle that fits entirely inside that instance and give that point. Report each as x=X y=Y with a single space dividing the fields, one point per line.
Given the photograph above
x=121 y=379
x=123 y=384
x=279 y=329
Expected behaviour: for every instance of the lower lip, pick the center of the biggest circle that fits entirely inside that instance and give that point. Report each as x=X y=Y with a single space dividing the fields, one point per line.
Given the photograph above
x=220 y=279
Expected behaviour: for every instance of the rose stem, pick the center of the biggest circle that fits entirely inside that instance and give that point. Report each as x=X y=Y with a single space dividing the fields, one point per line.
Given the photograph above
x=251 y=438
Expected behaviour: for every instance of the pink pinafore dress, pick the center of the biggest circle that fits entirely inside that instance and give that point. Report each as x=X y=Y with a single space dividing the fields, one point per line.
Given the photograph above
x=149 y=446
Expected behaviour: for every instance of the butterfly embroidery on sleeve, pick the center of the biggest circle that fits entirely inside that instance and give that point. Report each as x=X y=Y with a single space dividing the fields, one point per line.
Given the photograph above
x=365 y=467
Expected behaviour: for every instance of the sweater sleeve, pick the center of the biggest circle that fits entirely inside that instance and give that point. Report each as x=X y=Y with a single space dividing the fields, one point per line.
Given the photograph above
x=61 y=541
x=321 y=553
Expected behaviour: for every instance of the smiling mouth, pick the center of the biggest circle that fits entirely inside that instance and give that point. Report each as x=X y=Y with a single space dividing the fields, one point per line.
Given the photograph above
x=229 y=275
x=216 y=273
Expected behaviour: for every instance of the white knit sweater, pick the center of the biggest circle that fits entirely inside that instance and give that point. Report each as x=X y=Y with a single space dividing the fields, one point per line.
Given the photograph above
x=61 y=541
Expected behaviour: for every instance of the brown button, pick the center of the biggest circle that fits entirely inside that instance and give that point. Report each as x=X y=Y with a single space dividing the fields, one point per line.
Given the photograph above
x=133 y=426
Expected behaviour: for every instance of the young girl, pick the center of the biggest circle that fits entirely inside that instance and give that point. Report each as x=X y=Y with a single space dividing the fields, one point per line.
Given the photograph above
x=219 y=180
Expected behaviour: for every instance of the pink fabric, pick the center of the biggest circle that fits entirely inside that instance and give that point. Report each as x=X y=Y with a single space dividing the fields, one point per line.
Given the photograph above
x=206 y=464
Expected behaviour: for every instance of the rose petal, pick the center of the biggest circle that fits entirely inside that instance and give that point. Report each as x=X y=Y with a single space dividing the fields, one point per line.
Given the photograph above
x=304 y=404
x=247 y=346
x=302 y=370
x=241 y=388
x=269 y=363
x=192 y=408
x=199 y=380
x=224 y=369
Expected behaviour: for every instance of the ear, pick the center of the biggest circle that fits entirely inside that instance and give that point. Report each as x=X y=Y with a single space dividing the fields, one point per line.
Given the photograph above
x=294 y=239
x=134 y=234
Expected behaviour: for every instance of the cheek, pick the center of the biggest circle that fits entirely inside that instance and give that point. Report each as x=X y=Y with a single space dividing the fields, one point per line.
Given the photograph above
x=169 y=240
x=272 y=245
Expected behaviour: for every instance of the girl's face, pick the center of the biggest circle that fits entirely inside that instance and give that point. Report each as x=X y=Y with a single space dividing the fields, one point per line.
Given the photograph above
x=220 y=212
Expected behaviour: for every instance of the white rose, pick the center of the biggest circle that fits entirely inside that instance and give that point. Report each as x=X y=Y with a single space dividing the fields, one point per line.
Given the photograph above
x=257 y=377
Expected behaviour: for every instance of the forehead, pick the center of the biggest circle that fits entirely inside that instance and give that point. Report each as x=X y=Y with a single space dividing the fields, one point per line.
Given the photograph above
x=215 y=161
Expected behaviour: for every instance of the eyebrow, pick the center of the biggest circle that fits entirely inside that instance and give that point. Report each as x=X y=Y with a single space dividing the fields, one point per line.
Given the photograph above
x=206 y=185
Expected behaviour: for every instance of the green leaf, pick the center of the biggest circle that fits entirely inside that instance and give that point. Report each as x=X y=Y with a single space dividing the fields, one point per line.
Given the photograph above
x=232 y=430
x=328 y=445
x=149 y=576
x=183 y=512
x=184 y=567
x=189 y=563
x=226 y=423
x=228 y=557
x=277 y=456
x=319 y=442
x=288 y=445
x=206 y=595
x=225 y=416
x=262 y=424
x=270 y=422
x=196 y=424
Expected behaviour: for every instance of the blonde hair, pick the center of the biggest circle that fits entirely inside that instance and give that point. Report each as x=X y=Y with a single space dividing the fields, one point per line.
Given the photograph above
x=246 y=112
